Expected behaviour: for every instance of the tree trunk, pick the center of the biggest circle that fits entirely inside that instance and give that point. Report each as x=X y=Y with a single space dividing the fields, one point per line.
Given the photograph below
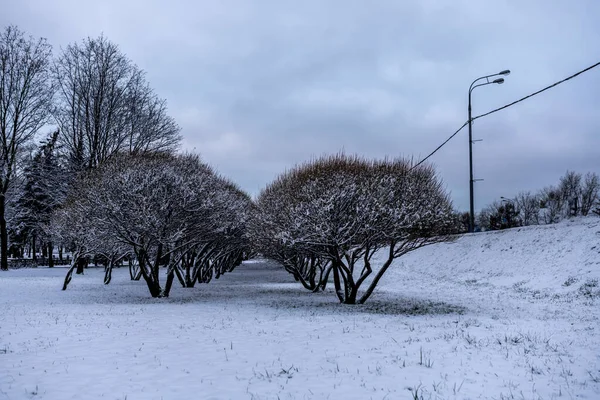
x=170 y=277
x=179 y=275
x=337 y=283
x=380 y=273
x=80 y=265
x=60 y=253
x=132 y=269
x=3 y=235
x=33 y=249
x=153 y=286
x=188 y=276
x=50 y=255
x=324 y=278
x=150 y=276
x=156 y=267
x=108 y=272
x=135 y=272
x=351 y=297
x=69 y=275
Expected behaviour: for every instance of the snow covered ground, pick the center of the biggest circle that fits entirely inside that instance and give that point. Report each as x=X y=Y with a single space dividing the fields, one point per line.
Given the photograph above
x=499 y=315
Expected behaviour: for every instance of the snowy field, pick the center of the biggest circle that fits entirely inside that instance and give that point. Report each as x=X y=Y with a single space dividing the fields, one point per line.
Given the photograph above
x=499 y=315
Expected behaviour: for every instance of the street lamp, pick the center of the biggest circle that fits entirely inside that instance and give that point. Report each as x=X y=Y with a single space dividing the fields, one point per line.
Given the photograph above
x=471 y=180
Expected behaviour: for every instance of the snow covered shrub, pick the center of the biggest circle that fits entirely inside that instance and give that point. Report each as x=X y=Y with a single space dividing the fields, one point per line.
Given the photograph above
x=163 y=210
x=590 y=288
x=570 y=280
x=275 y=213
x=71 y=226
x=340 y=210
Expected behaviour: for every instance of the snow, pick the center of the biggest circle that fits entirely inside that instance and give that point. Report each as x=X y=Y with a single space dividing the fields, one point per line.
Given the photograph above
x=496 y=315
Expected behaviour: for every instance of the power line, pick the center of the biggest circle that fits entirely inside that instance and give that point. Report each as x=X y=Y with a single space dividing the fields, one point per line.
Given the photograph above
x=440 y=146
x=538 y=92
x=502 y=108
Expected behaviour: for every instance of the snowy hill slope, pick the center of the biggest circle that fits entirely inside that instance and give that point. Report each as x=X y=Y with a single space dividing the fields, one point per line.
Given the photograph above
x=560 y=261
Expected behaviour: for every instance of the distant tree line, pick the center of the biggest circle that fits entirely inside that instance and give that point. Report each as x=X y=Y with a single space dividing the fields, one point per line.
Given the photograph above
x=575 y=195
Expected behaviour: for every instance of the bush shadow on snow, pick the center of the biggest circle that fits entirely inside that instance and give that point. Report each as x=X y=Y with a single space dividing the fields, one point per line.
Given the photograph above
x=390 y=306
x=276 y=296
x=263 y=285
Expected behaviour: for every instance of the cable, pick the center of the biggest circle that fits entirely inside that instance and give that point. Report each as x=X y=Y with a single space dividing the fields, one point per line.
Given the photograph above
x=439 y=147
x=538 y=92
x=502 y=108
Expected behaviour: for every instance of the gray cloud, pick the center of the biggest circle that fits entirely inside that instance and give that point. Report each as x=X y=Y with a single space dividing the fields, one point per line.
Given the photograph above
x=260 y=86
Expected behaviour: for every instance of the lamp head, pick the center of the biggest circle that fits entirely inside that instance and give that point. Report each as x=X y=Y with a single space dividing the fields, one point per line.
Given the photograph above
x=505 y=72
x=498 y=81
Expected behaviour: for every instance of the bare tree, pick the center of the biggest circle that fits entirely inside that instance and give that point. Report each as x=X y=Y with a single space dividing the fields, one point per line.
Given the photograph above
x=484 y=217
x=589 y=192
x=570 y=192
x=25 y=99
x=148 y=128
x=528 y=206
x=574 y=195
x=552 y=204
x=344 y=209
x=92 y=79
x=105 y=106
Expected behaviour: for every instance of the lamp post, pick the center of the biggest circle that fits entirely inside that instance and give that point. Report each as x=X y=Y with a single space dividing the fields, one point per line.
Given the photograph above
x=471 y=180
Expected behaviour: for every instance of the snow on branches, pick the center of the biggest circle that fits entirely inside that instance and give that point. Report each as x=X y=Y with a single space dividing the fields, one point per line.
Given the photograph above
x=332 y=215
x=161 y=209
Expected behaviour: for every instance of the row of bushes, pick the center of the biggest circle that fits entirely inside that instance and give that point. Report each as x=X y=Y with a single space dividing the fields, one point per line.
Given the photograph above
x=324 y=218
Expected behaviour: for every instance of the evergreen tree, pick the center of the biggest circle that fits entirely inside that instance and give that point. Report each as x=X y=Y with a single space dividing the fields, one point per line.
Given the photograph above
x=43 y=191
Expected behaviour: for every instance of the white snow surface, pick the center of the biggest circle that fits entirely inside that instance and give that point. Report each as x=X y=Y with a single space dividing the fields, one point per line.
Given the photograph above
x=497 y=315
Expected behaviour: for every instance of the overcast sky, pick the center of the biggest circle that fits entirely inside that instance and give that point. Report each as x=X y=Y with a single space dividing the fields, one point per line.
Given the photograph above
x=259 y=86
